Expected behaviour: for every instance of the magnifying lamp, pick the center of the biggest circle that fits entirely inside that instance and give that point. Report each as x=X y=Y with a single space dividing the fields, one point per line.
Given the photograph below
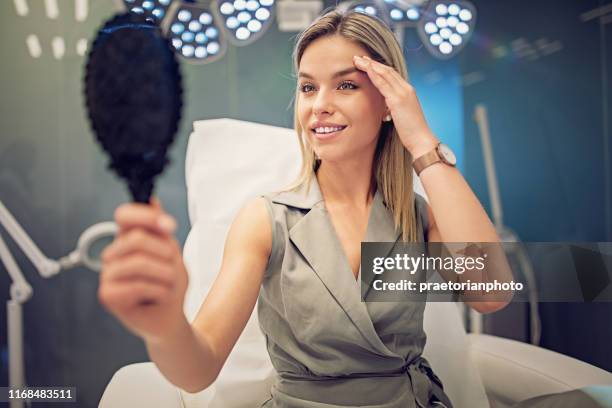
x=86 y=253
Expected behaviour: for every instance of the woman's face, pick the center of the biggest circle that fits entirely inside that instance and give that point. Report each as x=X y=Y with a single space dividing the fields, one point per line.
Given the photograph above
x=339 y=108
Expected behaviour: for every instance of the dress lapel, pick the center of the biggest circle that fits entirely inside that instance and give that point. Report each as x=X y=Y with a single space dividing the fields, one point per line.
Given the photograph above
x=316 y=239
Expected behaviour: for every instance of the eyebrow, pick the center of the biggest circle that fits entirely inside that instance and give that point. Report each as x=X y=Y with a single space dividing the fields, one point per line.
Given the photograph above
x=335 y=75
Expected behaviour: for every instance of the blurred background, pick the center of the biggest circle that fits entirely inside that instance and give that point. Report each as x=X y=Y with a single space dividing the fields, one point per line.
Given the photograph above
x=543 y=69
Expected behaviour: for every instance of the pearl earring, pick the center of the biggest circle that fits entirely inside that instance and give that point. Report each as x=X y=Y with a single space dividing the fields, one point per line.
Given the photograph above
x=387 y=118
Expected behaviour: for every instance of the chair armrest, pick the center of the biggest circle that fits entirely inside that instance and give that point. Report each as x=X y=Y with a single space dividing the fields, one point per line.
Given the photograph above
x=513 y=371
x=140 y=385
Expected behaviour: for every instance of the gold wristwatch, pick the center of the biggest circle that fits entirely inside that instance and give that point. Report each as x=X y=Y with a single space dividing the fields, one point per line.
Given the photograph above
x=440 y=153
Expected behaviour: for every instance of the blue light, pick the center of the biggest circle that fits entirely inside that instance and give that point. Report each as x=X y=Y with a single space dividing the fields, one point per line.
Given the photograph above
x=252 y=5
x=212 y=48
x=262 y=14
x=184 y=15
x=413 y=14
x=232 y=22
x=431 y=28
x=188 y=50
x=465 y=15
x=205 y=18
x=200 y=52
x=453 y=9
x=226 y=8
x=370 y=10
x=200 y=38
x=211 y=32
x=195 y=26
x=177 y=28
x=462 y=28
x=159 y=13
x=242 y=34
x=244 y=16
x=254 y=26
x=396 y=14
x=187 y=36
x=441 y=9
x=239 y=4
x=445 y=48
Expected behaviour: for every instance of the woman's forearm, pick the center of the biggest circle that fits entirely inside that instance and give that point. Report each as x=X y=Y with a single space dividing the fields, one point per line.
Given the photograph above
x=186 y=359
x=460 y=218
x=458 y=213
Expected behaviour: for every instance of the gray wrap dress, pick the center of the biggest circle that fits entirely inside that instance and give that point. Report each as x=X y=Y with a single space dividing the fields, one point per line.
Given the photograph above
x=328 y=347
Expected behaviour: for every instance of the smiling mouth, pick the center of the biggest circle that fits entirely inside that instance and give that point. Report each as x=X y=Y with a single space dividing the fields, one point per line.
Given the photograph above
x=328 y=132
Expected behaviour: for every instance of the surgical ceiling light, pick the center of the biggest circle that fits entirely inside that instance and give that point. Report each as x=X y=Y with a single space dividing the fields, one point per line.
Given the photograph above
x=193 y=33
x=446 y=27
x=369 y=9
x=156 y=9
x=199 y=33
x=244 y=20
x=401 y=12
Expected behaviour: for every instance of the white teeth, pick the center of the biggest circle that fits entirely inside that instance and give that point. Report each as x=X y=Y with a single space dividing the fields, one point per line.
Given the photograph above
x=328 y=129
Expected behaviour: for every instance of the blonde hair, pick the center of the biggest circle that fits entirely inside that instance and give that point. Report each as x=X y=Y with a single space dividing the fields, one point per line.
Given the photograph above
x=392 y=165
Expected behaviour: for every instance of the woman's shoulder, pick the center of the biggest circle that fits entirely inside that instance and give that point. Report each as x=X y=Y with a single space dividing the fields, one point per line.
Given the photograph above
x=253 y=216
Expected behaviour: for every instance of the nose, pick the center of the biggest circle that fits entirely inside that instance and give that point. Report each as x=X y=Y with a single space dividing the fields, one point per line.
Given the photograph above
x=323 y=102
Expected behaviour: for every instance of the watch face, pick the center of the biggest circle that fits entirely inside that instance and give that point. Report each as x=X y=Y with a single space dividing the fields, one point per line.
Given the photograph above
x=447 y=154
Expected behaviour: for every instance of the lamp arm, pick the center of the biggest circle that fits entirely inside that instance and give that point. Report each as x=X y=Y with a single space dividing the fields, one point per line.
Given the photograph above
x=480 y=116
x=45 y=266
x=21 y=290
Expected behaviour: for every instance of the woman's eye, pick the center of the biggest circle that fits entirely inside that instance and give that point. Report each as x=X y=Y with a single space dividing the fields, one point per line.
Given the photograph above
x=306 y=88
x=350 y=85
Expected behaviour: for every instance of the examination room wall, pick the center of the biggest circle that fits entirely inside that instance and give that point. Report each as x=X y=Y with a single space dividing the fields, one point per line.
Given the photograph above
x=53 y=175
x=543 y=69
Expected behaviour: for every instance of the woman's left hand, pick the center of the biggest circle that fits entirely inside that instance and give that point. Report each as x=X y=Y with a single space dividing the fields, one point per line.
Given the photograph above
x=403 y=105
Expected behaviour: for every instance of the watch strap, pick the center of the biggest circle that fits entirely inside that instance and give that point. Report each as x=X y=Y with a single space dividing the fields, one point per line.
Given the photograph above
x=426 y=160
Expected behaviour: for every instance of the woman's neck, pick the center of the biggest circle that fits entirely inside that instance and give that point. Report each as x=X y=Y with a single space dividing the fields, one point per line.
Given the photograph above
x=346 y=184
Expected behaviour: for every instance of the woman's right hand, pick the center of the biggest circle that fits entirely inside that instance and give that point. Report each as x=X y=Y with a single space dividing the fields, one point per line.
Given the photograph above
x=143 y=279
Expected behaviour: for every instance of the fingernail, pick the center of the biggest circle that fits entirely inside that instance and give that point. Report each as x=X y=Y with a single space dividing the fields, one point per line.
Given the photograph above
x=167 y=223
x=366 y=57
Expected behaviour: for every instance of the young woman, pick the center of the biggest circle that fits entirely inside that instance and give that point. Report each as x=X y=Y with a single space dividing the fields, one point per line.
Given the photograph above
x=361 y=130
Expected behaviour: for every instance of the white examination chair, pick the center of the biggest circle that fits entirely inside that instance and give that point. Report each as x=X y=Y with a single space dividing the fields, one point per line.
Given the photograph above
x=230 y=161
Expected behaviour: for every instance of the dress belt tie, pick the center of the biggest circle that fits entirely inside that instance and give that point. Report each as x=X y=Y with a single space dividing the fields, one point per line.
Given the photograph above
x=424 y=382
x=420 y=384
x=422 y=378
